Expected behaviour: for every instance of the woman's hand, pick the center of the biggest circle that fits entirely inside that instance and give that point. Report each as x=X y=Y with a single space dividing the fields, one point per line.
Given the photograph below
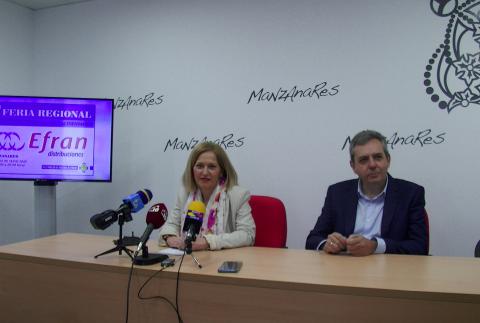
x=200 y=244
x=175 y=242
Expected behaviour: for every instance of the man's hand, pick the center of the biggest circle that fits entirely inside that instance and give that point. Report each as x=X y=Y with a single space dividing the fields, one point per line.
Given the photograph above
x=335 y=243
x=358 y=245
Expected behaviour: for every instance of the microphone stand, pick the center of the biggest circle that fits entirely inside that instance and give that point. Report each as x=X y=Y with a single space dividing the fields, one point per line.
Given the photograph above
x=188 y=248
x=147 y=258
x=120 y=244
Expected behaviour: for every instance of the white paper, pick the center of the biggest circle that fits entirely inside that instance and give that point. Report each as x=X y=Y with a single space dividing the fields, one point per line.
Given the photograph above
x=171 y=252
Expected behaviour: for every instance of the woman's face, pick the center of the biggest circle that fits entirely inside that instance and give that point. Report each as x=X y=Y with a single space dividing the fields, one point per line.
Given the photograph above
x=206 y=172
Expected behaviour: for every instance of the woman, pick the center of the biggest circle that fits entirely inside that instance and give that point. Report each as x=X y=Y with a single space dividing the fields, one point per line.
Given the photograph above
x=210 y=177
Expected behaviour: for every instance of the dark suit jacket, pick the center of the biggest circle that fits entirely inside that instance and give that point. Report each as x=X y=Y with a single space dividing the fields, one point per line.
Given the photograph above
x=403 y=224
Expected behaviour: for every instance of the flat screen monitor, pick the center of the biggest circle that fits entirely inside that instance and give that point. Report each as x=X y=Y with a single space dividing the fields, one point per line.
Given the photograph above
x=56 y=139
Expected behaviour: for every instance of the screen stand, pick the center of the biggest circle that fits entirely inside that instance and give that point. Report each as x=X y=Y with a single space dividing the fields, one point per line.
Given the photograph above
x=45 y=208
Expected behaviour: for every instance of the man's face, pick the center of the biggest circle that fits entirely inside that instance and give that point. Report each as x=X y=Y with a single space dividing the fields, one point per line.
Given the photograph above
x=370 y=163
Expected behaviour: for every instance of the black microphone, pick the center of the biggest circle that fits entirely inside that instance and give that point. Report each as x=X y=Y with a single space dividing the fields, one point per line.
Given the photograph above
x=193 y=223
x=156 y=217
x=132 y=203
x=103 y=220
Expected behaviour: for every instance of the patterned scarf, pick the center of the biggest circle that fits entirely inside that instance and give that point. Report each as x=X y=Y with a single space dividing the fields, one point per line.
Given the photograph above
x=215 y=208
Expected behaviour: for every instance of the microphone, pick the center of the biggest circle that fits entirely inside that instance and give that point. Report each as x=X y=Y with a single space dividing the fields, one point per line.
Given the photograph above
x=193 y=223
x=156 y=217
x=103 y=220
x=132 y=203
x=135 y=202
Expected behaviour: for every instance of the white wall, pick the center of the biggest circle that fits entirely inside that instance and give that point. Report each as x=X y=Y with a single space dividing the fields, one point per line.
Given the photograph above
x=16 y=42
x=206 y=57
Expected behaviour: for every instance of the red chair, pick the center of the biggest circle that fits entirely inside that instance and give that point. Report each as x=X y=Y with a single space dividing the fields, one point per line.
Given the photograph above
x=270 y=220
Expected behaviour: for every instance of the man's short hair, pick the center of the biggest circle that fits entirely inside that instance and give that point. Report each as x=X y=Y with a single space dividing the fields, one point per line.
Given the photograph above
x=365 y=136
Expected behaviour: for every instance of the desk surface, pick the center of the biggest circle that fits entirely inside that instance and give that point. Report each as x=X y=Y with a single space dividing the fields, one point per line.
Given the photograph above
x=414 y=277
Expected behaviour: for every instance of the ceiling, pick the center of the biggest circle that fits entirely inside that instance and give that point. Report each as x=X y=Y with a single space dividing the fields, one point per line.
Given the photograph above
x=44 y=4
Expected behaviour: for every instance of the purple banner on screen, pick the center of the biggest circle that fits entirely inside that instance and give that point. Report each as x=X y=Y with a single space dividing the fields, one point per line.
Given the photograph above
x=47 y=114
x=56 y=138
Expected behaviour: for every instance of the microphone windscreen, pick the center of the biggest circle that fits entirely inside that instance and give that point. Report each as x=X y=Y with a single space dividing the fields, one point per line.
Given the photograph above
x=103 y=220
x=157 y=215
x=137 y=201
x=194 y=216
x=146 y=195
x=196 y=207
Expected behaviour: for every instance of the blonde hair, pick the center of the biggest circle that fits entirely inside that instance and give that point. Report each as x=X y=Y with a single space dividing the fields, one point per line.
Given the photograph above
x=227 y=170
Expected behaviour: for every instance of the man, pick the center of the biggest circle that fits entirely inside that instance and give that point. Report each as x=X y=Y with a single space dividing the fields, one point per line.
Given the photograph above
x=375 y=213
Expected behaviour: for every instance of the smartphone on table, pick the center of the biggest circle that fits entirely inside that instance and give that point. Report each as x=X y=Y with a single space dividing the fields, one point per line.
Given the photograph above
x=230 y=267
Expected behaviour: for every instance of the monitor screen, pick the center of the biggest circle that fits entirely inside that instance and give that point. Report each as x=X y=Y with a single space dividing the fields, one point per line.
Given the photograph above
x=56 y=139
